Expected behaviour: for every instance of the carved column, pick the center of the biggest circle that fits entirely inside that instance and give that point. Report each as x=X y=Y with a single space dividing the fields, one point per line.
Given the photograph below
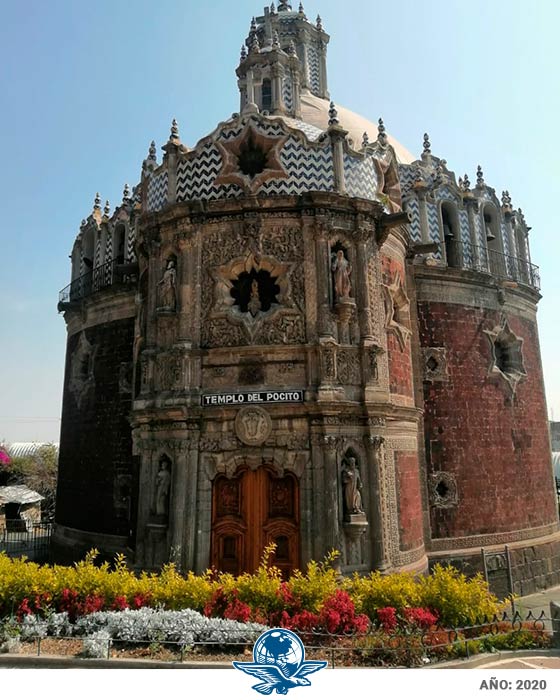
x=363 y=236
x=177 y=514
x=250 y=87
x=302 y=36
x=322 y=276
x=374 y=449
x=338 y=137
x=472 y=208
x=278 y=106
x=145 y=488
x=323 y=75
x=423 y=207
x=330 y=493
x=190 y=525
x=185 y=284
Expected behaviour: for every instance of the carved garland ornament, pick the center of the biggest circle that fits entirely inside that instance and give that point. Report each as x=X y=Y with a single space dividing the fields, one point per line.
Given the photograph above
x=397 y=311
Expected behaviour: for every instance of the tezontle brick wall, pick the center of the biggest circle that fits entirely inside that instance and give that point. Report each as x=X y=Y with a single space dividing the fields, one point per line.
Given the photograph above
x=96 y=442
x=496 y=447
x=409 y=500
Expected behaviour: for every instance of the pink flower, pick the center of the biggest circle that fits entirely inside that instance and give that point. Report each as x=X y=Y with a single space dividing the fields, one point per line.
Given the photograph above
x=4 y=457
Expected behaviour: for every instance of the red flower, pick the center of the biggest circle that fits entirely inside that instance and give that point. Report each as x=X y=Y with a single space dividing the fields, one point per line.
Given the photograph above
x=387 y=618
x=421 y=617
x=120 y=603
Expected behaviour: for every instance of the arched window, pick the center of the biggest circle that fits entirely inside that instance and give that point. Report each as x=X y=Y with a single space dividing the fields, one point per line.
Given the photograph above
x=493 y=237
x=451 y=234
x=266 y=95
x=119 y=242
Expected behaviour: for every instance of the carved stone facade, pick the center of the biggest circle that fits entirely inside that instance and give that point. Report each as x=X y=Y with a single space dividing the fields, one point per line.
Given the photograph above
x=277 y=361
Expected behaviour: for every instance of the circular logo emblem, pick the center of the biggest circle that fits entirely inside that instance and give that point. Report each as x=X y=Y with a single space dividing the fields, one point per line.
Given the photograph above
x=280 y=648
x=253 y=425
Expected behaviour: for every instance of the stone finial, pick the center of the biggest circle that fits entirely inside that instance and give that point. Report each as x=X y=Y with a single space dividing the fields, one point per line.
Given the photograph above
x=284 y=6
x=333 y=115
x=506 y=200
x=255 y=45
x=174 y=131
x=275 y=40
x=83 y=224
x=126 y=194
x=479 y=177
x=253 y=28
x=427 y=145
x=107 y=209
x=272 y=9
x=381 y=132
x=243 y=52
x=152 y=153
x=466 y=183
x=301 y=10
x=292 y=48
x=460 y=183
x=365 y=140
x=97 y=202
x=319 y=23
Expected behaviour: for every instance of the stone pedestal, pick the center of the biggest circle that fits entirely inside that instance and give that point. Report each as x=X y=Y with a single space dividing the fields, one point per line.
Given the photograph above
x=355 y=526
x=344 y=309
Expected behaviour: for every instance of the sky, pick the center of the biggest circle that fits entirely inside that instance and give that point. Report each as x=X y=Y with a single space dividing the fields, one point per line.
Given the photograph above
x=85 y=87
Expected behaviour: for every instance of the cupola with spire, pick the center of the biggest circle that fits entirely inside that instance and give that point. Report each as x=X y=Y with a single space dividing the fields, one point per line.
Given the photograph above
x=285 y=55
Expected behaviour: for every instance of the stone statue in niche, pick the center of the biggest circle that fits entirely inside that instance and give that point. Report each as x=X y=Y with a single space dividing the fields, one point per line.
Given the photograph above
x=352 y=485
x=341 y=270
x=163 y=488
x=168 y=288
x=254 y=304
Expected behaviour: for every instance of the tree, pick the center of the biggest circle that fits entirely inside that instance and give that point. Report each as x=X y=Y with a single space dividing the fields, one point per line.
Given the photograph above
x=37 y=471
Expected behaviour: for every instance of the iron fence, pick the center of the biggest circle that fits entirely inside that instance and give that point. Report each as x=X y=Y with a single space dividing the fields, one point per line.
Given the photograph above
x=373 y=648
x=32 y=540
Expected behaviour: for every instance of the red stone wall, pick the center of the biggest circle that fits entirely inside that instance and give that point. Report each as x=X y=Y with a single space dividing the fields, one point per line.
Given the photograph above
x=497 y=448
x=400 y=361
x=409 y=500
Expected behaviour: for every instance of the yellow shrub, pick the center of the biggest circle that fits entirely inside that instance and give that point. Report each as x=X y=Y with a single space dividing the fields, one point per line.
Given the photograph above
x=378 y=591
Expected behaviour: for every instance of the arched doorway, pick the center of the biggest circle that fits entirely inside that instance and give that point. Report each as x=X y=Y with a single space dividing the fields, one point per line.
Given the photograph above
x=249 y=511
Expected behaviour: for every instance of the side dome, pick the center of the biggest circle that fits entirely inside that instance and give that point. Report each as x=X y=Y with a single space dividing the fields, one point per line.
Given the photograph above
x=315 y=111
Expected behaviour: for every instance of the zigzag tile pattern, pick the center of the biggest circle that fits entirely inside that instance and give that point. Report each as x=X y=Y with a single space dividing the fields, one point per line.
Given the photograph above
x=196 y=177
x=447 y=193
x=157 y=191
x=360 y=177
x=309 y=169
x=413 y=208
x=288 y=93
x=98 y=252
x=465 y=229
x=407 y=177
x=312 y=132
x=433 y=221
x=130 y=245
x=109 y=248
x=314 y=70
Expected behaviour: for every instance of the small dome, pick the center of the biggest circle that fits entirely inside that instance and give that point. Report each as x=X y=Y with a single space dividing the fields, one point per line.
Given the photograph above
x=315 y=111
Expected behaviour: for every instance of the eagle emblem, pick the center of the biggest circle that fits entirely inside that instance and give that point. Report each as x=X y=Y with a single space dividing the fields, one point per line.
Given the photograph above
x=279 y=663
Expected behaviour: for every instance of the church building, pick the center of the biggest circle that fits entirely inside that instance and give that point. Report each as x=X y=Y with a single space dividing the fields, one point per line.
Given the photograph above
x=297 y=332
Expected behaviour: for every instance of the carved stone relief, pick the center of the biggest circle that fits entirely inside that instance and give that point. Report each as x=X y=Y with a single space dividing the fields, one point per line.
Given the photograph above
x=348 y=366
x=82 y=380
x=169 y=371
x=397 y=310
x=253 y=425
x=249 y=250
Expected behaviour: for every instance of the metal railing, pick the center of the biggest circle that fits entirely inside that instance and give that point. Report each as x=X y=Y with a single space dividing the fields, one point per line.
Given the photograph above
x=375 y=647
x=114 y=271
x=499 y=265
x=20 y=538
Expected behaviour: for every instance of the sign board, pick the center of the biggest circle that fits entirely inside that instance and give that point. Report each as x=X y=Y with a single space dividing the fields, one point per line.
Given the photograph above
x=252 y=397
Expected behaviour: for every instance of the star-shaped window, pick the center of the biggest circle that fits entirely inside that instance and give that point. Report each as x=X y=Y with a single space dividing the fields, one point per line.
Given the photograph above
x=250 y=160
x=506 y=355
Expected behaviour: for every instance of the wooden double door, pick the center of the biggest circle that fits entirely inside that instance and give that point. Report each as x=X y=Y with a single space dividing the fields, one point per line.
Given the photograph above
x=250 y=511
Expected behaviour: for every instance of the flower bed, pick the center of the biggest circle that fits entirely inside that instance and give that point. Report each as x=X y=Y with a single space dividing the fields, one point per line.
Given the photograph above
x=312 y=600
